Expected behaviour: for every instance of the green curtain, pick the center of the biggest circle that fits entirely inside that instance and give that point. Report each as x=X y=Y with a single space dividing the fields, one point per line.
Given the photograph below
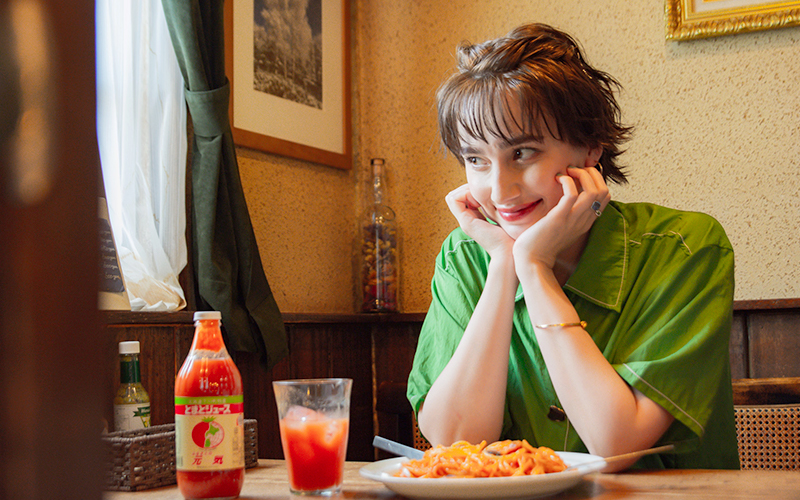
x=228 y=269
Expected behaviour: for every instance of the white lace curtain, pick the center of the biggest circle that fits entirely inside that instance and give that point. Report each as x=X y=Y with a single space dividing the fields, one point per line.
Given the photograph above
x=141 y=132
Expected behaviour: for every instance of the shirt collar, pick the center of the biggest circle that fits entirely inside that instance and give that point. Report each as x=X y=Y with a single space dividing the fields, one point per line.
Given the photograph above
x=600 y=274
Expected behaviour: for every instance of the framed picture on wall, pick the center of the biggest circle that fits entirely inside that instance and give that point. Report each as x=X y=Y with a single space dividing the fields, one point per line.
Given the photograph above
x=692 y=19
x=289 y=68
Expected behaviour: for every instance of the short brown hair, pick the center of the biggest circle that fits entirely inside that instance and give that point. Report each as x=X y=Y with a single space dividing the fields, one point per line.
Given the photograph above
x=543 y=70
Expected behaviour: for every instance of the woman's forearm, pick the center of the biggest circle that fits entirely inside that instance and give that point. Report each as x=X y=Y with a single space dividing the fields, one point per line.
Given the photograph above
x=467 y=400
x=609 y=415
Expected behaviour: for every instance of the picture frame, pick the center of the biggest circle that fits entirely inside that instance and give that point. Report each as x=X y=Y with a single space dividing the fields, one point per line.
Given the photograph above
x=694 y=19
x=290 y=93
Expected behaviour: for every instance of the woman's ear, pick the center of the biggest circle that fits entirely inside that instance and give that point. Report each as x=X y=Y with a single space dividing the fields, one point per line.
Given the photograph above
x=593 y=156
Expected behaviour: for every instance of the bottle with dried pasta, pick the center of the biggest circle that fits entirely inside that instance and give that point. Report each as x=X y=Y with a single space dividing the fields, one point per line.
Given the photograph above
x=379 y=273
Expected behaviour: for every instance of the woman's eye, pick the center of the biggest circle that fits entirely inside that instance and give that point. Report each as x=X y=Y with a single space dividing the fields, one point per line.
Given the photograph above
x=524 y=153
x=475 y=161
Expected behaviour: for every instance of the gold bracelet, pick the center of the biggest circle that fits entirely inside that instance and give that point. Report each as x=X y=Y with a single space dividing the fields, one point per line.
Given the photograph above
x=581 y=324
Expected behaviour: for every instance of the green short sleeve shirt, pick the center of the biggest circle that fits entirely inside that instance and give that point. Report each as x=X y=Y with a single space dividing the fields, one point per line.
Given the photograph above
x=655 y=286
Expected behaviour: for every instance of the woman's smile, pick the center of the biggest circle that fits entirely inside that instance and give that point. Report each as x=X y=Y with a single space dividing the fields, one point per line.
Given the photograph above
x=513 y=175
x=518 y=212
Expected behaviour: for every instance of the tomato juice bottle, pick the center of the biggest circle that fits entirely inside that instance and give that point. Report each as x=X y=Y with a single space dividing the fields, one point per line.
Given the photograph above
x=209 y=416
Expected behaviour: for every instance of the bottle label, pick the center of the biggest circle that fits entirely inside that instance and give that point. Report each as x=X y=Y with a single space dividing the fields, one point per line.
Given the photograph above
x=129 y=417
x=209 y=433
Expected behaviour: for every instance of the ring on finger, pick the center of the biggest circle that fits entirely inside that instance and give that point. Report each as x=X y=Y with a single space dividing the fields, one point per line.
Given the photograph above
x=596 y=208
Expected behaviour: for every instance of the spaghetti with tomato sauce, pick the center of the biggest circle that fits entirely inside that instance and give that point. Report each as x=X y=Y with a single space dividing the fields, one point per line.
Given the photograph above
x=499 y=459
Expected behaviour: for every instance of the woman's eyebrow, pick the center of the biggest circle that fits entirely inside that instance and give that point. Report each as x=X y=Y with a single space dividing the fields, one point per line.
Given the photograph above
x=508 y=142
x=521 y=139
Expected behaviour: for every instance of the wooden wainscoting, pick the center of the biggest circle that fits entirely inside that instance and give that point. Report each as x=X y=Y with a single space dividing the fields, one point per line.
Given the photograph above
x=164 y=340
x=376 y=351
x=370 y=349
x=765 y=339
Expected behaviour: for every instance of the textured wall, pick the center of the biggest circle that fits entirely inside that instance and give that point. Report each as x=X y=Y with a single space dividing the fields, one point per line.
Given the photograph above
x=302 y=216
x=717 y=131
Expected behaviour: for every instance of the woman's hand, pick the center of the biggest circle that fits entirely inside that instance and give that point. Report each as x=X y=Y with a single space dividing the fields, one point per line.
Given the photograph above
x=571 y=218
x=472 y=220
x=467 y=400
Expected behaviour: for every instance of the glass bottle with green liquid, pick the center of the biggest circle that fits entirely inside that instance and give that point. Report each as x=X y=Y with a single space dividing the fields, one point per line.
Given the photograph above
x=132 y=403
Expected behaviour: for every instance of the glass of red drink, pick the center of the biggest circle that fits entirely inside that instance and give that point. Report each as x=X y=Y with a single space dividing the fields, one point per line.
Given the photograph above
x=314 y=417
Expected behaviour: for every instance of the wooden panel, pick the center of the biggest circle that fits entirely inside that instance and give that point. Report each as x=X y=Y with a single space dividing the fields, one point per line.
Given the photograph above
x=309 y=355
x=738 y=346
x=183 y=342
x=259 y=401
x=395 y=345
x=774 y=343
x=762 y=305
x=766 y=391
x=351 y=355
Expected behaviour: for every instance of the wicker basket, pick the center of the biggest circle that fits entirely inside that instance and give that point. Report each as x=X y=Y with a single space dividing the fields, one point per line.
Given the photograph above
x=143 y=459
x=769 y=436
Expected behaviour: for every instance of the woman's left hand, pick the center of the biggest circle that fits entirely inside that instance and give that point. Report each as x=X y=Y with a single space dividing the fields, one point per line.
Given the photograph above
x=473 y=221
x=571 y=218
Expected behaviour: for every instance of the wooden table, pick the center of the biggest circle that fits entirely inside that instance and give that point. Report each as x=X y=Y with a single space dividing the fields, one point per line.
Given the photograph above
x=269 y=481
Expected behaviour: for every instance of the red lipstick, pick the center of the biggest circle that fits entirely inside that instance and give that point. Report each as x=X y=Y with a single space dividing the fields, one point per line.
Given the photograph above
x=518 y=213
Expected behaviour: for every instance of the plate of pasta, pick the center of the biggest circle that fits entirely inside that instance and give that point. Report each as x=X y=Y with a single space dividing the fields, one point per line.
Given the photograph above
x=502 y=470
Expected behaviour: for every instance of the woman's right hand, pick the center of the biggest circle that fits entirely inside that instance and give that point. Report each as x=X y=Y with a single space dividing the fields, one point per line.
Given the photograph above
x=467 y=399
x=472 y=220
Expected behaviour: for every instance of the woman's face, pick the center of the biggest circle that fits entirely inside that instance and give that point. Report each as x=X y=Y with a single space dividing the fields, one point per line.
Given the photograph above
x=514 y=181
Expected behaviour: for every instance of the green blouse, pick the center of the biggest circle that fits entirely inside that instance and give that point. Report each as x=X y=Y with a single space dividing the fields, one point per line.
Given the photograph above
x=655 y=286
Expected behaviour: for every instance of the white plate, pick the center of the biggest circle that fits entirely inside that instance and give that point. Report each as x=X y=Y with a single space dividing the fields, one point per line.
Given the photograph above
x=488 y=488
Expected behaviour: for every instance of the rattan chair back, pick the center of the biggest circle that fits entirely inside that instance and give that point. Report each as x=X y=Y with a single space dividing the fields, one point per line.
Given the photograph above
x=768 y=436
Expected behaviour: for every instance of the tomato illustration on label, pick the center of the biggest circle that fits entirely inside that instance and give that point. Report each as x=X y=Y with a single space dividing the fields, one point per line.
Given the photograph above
x=208 y=433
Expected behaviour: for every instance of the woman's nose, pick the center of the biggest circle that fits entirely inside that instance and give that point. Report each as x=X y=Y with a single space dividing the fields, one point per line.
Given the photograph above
x=505 y=185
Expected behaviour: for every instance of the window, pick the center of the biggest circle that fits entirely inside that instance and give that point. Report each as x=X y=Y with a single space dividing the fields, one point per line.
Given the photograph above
x=141 y=131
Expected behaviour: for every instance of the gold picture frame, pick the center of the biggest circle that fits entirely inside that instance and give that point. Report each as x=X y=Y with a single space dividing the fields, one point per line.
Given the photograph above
x=311 y=123
x=693 y=19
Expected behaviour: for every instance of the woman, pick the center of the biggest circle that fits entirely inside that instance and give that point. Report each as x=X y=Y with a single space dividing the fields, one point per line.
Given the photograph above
x=558 y=315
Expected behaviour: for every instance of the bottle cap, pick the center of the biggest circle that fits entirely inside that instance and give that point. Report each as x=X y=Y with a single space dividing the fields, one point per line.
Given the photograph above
x=129 y=347
x=200 y=315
